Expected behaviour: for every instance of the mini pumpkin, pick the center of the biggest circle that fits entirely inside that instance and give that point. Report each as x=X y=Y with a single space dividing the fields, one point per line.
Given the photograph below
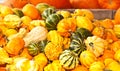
x=52 y=51
x=87 y=58
x=96 y=45
x=66 y=26
x=97 y=66
x=69 y=59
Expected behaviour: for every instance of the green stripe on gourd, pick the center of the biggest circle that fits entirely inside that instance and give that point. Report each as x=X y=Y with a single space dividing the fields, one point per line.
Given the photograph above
x=52 y=21
x=33 y=49
x=69 y=59
x=47 y=12
x=77 y=40
x=42 y=44
x=18 y=12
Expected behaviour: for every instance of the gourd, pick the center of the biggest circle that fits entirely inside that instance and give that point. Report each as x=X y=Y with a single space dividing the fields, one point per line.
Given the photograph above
x=12 y=21
x=4 y=57
x=43 y=6
x=80 y=68
x=64 y=13
x=33 y=48
x=87 y=58
x=52 y=21
x=66 y=26
x=97 y=66
x=18 y=12
x=54 y=66
x=116 y=29
x=77 y=40
x=41 y=60
x=55 y=37
x=96 y=45
x=52 y=51
x=22 y=64
x=42 y=44
x=84 y=22
x=14 y=46
x=47 y=12
x=69 y=59
x=117 y=55
x=35 y=35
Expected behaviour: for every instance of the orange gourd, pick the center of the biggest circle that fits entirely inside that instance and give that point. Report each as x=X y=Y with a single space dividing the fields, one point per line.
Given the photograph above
x=117 y=16
x=31 y=11
x=14 y=46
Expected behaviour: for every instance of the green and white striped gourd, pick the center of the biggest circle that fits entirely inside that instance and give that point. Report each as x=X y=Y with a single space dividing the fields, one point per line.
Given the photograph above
x=18 y=12
x=52 y=21
x=77 y=40
x=33 y=48
x=69 y=59
x=47 y=12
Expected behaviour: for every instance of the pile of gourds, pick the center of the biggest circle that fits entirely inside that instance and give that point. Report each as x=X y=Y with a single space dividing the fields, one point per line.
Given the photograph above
x=57 y=40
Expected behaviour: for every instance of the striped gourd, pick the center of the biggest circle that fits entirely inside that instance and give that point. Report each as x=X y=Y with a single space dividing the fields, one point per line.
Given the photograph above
x=69 y=59
x=47 y=12
x=33 y=49
x=18 y=12
x=77 y=40
x=52 y=21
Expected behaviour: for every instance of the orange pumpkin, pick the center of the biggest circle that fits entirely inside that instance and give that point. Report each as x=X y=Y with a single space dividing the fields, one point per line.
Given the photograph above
x=84 y=3
x=31 y=11
x=109 y=4
x=117 y=17
x=14 y=46
x=55 y=3
x=15 y=3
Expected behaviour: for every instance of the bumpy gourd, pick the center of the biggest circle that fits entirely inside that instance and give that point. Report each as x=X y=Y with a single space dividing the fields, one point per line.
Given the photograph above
x=69 y=59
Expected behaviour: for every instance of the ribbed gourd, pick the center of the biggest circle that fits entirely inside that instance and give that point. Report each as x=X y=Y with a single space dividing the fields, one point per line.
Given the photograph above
x=42 y=44
x=69 y=59
x=33 y=48
x=18 y=12
x=77 y=40
x=52 y=21
x=47 y=12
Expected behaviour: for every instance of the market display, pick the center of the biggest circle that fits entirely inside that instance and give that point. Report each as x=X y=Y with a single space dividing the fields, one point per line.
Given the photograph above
x=43 y=38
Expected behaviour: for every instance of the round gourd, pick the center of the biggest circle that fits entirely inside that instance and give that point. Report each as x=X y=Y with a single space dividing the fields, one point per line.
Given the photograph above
x=64 y=13
x=52 y=21
x=42 y=6
x=18 y=12
x=117 y=55
x=66 y=26
x=69 y=59
x=47 y=12
x=33 y=49
x=97 y=66
x=117 y=30
x=96 y=45
x=87 y=58
x=55 y=37
x=77 y=45
x=42 y=44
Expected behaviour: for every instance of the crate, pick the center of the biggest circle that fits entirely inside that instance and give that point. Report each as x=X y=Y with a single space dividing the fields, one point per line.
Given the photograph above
x=99 y=13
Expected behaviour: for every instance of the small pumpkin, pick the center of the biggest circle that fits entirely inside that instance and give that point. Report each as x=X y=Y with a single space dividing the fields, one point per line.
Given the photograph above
x=96 y=45
x=69 y=59
x=52 y=51
x=97 y=66
x=117 y=55
x=55 y=37
x=47 y=12
x=54 y=66
x=52 y=21
x=87 y=58
x=80 y=68
x=84 y=22
x=66 y=26
x=14 y=46
x=64 y=13
x=41 y=60
x=12 y=21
